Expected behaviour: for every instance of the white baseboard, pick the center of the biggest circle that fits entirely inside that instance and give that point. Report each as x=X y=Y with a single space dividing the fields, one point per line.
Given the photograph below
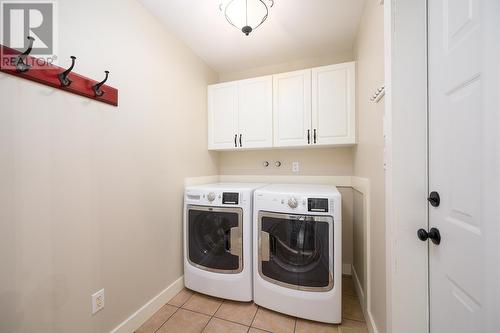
x=361 y=295
x=346 y=269
x=135 y=321
x=358 y=288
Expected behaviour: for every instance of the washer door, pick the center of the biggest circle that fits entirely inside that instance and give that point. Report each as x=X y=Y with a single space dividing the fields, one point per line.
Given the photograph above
x=295 y=251
x=215 y=238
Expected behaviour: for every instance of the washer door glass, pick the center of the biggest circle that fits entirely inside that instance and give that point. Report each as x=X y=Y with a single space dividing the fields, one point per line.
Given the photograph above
x=295 y=250
x=214 y=238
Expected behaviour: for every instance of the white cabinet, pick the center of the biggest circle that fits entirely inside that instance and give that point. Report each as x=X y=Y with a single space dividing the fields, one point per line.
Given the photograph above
x=222 y=115
x=240 y=114
x=255 y=112
x=307 y=108
x=292 y=108
x=333 y=104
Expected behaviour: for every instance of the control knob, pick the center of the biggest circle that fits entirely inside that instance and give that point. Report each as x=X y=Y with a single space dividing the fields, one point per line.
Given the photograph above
x=293 y=203
x=211 y=196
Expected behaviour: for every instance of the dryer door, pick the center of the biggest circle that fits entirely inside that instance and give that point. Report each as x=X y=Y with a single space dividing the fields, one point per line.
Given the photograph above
x=214 y=238
x=296 y=251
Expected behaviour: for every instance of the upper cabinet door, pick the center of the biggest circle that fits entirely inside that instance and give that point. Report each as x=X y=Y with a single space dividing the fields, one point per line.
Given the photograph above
x=292 y=108
x=333 y=104
x=255 y=112
x=223 y=116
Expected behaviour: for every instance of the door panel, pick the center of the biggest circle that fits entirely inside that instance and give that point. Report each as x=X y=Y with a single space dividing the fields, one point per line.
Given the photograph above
x=292 y=108
x=215 y=239
x=255 y=112
x=294 y=251
x=222 y=115
x=333 y=104
x=463 y=152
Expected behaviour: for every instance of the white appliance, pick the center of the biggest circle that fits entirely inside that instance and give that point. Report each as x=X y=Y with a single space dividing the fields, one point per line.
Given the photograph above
x=298 y=251
x=218 y=240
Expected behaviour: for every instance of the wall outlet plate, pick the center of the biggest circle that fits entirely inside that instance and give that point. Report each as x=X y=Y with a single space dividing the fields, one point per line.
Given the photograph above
x=295 y=167
x=98 y=301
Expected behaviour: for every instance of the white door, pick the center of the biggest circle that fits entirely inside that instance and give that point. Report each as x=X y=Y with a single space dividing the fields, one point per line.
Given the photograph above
x=255 y=112
x=464 y=107
x=333 y=104
x=292 y=109
x=223 y=116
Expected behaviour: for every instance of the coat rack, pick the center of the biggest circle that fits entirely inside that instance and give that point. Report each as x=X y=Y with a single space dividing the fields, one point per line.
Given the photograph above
x=25 y=66
x=377 y=96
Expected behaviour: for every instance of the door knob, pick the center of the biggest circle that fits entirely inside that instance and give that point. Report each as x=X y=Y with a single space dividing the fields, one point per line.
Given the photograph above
x=433 y=235
x=434 y=199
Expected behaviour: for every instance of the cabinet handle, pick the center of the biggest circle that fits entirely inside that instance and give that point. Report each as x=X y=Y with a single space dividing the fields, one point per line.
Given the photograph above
x=308 y=137
x=240 y=140
x=235 y=138
x=314 y=136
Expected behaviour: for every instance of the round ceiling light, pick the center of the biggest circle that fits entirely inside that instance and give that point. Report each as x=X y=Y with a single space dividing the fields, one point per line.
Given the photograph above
x=246 y=15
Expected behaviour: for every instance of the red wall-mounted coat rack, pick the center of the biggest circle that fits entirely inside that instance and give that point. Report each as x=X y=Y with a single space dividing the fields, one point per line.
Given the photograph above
x=48 y=74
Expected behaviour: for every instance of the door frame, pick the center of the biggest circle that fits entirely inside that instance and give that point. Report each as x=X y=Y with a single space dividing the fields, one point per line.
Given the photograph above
x=406 y=145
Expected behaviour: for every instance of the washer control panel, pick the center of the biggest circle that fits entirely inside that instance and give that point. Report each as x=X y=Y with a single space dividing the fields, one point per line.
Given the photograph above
x=215 y=198
x=296 y=203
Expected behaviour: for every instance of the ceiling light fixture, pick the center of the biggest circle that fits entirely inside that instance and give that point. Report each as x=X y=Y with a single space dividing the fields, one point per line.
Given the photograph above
x=246 y=15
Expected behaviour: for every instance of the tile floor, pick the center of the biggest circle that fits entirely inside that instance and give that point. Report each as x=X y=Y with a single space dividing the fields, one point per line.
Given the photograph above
x=190 y=312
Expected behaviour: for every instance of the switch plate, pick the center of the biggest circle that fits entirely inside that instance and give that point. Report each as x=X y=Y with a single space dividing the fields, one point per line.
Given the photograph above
x=295 y=167
x=98 y=301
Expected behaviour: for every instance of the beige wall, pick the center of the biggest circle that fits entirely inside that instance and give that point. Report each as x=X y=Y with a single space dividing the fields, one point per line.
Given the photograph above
x=91 y=195
x=312 y=162
x=368 y=154
x=287 y=67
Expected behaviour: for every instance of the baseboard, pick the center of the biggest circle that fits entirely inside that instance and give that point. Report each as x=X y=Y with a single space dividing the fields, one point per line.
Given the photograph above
x=133 y=322
x=346 y=269
x=358 y=288
x=372 y=328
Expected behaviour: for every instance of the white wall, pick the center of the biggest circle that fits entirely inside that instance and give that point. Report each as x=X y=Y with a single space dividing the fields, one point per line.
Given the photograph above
x=369 y=153
x=90 y=194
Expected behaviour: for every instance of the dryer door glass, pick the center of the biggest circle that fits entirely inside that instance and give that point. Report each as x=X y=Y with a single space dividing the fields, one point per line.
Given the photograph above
x=296 y=250
x=215 y=239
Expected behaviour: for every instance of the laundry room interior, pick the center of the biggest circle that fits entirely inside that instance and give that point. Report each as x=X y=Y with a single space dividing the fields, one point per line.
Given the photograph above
x=244 y=166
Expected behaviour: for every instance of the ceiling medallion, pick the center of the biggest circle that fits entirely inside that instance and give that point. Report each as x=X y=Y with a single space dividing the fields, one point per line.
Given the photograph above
x=246 y=15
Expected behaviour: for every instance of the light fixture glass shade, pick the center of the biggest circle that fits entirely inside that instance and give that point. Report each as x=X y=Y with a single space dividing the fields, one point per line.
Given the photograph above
x=246 y=15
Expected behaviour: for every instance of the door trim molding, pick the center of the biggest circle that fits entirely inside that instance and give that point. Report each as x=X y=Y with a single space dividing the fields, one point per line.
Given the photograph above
x=406 y=165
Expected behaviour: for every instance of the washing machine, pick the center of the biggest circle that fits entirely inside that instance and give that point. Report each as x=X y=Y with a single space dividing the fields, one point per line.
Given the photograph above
x=218 y=240
x=297 y=240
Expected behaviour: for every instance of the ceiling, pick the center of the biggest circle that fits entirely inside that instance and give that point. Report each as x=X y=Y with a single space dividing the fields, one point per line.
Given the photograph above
x=295 y=30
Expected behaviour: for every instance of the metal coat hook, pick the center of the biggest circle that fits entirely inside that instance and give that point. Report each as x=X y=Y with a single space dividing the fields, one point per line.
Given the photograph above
x=63 y=77
x=97 y=87
x=21 y=66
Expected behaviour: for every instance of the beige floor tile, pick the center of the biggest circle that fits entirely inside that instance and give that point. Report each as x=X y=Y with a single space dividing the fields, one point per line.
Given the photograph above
x=307 y=326
x=273 y=321
x=154 y=323
x=351 y=309
x=238 y=312
x=181 y=298
x=351 y=326
x=217 y=325
x=186 y=322
x=348 y=286
x=203 y=304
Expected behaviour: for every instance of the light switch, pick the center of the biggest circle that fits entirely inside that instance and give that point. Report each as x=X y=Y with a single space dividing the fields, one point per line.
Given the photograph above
x=295 y=167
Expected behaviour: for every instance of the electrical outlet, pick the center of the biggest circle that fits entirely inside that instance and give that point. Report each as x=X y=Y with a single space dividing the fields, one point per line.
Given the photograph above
x=295 y=167
x=98 y=301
